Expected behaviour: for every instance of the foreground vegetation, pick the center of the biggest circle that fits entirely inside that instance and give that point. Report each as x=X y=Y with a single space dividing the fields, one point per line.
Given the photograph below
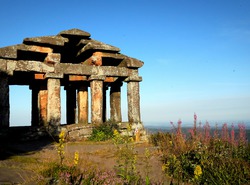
x=202 y=157
x=125 y=170
x=199 y=156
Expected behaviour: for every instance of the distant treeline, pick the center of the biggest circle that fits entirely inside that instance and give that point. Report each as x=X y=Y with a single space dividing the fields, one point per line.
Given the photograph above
x=185 y=130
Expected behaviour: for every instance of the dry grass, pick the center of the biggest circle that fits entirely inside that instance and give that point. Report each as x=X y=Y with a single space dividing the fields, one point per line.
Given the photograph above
x=92 y=155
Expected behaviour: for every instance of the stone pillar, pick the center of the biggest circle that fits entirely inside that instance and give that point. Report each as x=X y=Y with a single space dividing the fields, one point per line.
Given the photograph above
x=4 y=102
x=71 y=104
x=115 y=102
x=42 y=104
x=104 y=109
x=82 y=95
x=39 y=105
x=133 y=95
x=54 y=102
x=96 y=84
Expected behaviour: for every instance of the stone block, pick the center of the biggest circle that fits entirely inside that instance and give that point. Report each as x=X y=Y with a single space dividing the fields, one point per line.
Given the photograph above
x=53 y=58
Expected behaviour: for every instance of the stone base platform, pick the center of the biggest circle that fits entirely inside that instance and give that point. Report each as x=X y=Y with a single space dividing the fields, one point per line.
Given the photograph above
x=73 y=132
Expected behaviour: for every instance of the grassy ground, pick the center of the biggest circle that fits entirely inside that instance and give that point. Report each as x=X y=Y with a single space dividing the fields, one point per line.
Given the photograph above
x=31 y=165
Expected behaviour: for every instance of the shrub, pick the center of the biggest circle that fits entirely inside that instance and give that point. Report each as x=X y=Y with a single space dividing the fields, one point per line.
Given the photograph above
x=201 y=158
x=103 y=132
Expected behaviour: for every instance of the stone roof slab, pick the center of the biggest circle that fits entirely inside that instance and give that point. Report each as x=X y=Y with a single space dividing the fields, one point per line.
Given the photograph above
x=74 y=33
x=47 y=40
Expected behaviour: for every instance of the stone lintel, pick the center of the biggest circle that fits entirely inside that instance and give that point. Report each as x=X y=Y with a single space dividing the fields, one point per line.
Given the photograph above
x=80 y=69
x=133 y=79
x=9 y=66
x=27 y=66
x=97 y=77
x=53 y=58
x=3 y=65
x=133 y=63
x=78 y=78
x=54 y=75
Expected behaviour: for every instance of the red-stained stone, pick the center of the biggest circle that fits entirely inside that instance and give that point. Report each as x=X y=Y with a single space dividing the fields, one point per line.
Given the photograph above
x=83 y=104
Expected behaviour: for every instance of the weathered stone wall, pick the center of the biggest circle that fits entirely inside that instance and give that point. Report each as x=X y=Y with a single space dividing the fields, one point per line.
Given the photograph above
x=74 y=132
x=77 y=132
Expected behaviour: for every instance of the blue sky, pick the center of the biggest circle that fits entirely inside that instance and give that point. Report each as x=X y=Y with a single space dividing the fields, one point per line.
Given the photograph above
x=196 y=53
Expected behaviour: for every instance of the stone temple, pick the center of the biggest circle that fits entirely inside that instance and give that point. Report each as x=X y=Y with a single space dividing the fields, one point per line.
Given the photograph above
x=78 y=63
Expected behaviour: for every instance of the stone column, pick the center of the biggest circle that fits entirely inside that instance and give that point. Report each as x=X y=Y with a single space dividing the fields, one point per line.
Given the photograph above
x=133 y=95
x=82 y=96
x=4 y=102
x=104 y=109
x=54 y=102
x=39 y=105
x=115 y=102
x=53 y=88
x=42 y=104
x=71 y=104
x=96 y=84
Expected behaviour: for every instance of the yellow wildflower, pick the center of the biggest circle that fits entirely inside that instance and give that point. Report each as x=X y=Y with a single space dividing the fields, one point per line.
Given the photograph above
x=171 y=143
x=116 y=133
x=62 y=135
x=197 y=171
x=164 y=167
x=76 y=158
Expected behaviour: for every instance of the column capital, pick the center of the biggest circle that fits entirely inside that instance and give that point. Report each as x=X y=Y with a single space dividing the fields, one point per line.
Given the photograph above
x=133 y=79
x=97 y=77
x=54 y=75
